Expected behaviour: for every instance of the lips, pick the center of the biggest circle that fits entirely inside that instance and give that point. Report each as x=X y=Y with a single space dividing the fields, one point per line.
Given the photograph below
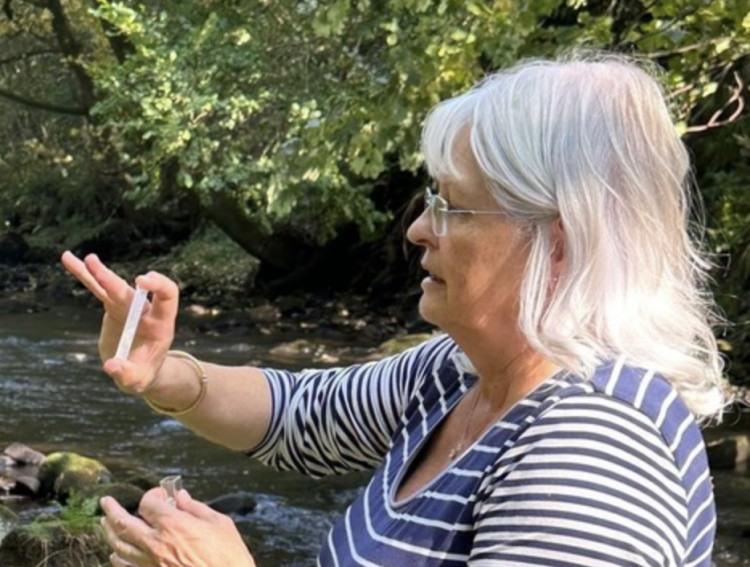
x=432 y=276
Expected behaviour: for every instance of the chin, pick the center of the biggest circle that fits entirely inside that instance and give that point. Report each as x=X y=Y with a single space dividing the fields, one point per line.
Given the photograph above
x=429 y=312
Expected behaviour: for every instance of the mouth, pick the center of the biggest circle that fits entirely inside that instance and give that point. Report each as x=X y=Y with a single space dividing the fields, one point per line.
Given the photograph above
x=432 y=276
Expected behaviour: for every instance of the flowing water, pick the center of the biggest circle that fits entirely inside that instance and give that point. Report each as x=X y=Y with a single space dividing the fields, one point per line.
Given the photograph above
x=53 y=396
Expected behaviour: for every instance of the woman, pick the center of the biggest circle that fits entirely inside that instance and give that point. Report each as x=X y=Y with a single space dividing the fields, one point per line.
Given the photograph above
x=555 y=421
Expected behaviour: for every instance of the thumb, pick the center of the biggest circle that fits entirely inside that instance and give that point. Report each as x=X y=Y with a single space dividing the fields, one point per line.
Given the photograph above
x=128 y=376
x=198 y=509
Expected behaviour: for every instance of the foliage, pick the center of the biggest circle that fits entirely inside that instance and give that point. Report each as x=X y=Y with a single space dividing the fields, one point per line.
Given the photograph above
x=297 y=108
x=78 y=517
x=51 y=165
x=73 y=537
x=284 y=121
x=726 y=189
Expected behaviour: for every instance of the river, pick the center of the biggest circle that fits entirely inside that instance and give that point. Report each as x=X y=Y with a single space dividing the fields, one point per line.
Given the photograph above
x=55 y=397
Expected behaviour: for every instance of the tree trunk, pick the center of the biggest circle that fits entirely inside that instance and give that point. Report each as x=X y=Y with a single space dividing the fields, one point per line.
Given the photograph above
x=71 y=48
x=279 y=253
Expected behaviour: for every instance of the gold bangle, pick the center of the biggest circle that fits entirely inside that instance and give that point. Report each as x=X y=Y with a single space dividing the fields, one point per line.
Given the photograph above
x=202 y=377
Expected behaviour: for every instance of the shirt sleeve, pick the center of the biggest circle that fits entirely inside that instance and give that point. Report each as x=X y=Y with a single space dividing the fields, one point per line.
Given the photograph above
x=590 y=483
x=340 y=420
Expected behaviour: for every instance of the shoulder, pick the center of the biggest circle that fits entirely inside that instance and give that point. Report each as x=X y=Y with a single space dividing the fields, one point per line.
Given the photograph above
x=623 y=419
x=649 y=399
x=620 y=448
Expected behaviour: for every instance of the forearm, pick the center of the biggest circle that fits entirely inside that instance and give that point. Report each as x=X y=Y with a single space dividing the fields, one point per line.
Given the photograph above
x=235 y=411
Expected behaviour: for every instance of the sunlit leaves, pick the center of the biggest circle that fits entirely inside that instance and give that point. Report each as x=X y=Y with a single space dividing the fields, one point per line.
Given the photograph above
x=296 y=108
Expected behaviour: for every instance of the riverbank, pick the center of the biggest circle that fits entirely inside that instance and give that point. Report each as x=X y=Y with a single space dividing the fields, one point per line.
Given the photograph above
x=290 y=517
x=227 y=305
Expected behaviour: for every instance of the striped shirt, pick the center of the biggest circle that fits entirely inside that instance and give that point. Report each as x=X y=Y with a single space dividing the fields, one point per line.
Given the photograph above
x=606 y=471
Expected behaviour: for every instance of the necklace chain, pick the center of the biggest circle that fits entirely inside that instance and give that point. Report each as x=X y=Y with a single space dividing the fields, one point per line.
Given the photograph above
x=458 y=447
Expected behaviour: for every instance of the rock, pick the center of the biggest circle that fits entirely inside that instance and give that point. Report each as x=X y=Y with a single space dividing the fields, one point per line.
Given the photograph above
x=14 y=249
x=52 y=544
x=293 y=350
x=127 y=495
x=142 y=480
x=195 y=310
x=265 y=313
x=24 y=455
x=239 y=503
x=19 y=469
x=25 y=485
x=728 y=452
x=402 y=342
x=64 y=473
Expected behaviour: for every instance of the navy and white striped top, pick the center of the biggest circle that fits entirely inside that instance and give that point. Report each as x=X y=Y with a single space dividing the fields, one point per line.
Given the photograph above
x=610 y=471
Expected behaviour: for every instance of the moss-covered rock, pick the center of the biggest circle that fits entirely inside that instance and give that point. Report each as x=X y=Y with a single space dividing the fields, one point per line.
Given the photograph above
x=53 y=546
x=127 y=495
x=64 y=473
x=72 y=538
x=143 y=480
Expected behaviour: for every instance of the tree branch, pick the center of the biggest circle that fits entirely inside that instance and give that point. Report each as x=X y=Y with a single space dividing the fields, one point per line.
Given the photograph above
x=28 y=55
x=72 y=48
x=682 y=50
x=121 y=46
x=25 y=101
x=716 y=121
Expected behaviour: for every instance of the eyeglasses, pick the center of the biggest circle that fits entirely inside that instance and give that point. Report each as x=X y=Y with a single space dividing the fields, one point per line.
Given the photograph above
x=440 y=209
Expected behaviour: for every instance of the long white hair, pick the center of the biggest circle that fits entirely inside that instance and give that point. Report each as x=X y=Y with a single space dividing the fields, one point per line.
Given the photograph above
x=587 y=141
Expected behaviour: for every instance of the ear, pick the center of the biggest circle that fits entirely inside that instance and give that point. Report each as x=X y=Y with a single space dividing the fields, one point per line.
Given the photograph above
x=557 y=237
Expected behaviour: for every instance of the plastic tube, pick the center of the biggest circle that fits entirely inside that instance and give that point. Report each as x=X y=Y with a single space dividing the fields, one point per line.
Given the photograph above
x=131 y=323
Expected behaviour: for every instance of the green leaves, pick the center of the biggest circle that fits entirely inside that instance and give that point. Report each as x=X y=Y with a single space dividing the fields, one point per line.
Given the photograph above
x=295 y=110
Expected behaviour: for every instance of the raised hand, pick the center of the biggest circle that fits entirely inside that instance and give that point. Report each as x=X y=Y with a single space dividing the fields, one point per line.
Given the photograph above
x=155 y=331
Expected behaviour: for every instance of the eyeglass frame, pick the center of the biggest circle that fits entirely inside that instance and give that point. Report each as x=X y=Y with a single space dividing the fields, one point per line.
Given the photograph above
x=439 y=209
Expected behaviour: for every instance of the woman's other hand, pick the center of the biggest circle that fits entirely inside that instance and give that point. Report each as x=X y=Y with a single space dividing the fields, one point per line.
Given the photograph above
x=189 y=534
x=155 y=331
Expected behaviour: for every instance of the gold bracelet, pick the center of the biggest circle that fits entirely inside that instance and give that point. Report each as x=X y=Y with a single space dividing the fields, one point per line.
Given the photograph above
x=202 y=377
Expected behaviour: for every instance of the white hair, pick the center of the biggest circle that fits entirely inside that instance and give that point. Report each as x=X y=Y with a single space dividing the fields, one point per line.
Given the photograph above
x=588 y=141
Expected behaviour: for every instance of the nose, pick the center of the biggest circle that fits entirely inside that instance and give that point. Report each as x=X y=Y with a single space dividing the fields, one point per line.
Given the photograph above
x=420 y=230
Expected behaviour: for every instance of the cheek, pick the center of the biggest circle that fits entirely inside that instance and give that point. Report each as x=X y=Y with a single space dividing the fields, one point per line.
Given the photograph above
x=492 y=277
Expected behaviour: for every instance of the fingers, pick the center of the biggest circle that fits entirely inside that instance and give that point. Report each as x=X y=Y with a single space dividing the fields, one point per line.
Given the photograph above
x=198 y=509
x=117 y=561
x=111 y=289
x=154 y=506
x=117 y=288
x=128 y=375
x=165 y=295
x=106 y=286
x=76 y=267
x=126 y=535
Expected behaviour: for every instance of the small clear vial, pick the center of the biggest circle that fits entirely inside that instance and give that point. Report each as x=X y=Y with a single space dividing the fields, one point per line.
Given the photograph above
x=171 y=484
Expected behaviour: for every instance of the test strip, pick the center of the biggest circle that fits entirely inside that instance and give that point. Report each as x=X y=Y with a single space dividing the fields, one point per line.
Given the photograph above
x=131 y=323
x=171 y=484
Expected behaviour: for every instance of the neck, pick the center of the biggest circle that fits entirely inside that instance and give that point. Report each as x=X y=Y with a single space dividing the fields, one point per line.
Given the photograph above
x=507 y=376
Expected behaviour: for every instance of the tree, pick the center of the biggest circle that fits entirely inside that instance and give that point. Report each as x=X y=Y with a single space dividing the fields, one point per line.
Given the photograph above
x=287 y=122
